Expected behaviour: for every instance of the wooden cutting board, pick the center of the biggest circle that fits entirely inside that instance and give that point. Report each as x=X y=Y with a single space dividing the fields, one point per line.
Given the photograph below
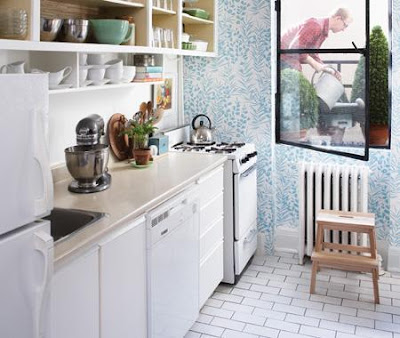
x=119 y=144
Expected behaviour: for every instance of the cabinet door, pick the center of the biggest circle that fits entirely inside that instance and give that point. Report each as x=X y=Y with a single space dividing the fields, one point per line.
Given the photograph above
x=75 y=298
x=123 y=283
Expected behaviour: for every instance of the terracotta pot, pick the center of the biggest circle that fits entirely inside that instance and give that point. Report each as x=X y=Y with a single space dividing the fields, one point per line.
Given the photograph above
x=142 y=156
x=294 y=136
x=378 y=135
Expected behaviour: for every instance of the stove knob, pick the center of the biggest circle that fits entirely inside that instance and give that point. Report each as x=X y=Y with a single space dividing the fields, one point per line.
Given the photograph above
x=254 y=154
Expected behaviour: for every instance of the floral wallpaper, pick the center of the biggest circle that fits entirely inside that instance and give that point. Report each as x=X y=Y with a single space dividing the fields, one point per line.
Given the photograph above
x=234 y=90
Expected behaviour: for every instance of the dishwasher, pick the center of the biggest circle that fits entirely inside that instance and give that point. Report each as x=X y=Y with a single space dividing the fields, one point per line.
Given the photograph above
x=173 y=267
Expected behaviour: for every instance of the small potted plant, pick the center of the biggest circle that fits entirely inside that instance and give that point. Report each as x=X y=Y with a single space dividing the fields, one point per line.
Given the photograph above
x=139 y=133
x=379 y=57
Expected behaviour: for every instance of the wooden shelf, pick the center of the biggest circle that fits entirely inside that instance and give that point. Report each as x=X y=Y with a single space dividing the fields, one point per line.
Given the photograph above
x=96 y=88
x=162 y=11
x=192 y=20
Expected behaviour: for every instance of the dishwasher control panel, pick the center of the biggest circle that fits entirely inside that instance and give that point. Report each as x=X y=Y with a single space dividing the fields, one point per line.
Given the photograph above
x=165 y=218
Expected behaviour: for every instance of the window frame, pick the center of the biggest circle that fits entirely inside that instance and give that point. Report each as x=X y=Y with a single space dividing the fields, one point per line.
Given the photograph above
x=354 y=50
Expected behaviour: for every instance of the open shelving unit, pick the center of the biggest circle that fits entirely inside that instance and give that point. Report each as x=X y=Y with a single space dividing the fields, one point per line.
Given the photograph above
x=53 y=56
x=145 y=15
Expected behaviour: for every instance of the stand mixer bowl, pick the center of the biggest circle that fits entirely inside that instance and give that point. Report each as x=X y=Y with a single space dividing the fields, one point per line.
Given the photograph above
x=87 y=164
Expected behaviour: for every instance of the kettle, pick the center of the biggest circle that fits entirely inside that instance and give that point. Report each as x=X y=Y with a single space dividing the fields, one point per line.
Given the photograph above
x=201 y=134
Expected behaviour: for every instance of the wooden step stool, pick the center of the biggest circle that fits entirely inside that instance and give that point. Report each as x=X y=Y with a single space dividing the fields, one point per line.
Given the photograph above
x=345 y=256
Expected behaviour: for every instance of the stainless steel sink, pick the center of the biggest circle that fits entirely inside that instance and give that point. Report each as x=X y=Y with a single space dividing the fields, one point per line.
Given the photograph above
x=67 y=221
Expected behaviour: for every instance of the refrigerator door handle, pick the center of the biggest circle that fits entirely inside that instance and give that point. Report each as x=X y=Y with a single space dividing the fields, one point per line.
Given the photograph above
x=43 y=203
x=43 y=244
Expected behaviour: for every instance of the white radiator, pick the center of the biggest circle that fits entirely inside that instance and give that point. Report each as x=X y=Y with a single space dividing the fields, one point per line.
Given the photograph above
x=331 y=187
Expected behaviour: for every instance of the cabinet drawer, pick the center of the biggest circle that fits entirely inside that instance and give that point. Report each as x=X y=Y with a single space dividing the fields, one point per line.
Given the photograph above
x=211 y=212
x=211 y=237
x=211 y=273
x=210 y=185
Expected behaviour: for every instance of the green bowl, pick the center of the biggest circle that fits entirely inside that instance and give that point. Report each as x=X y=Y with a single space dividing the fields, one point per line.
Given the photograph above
x=111 y=31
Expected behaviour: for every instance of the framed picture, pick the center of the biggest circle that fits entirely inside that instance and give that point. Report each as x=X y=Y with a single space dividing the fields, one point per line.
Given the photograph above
x=164 y=94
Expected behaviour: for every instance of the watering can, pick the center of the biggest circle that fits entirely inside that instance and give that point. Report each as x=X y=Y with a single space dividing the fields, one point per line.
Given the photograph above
x=329 y=89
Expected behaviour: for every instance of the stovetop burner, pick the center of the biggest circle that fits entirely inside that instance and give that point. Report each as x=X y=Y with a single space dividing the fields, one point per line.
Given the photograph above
x=213 y=148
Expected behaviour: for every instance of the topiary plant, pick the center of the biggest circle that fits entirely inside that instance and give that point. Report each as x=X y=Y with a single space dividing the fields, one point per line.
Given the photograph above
x=378 y=74
x=299 y=101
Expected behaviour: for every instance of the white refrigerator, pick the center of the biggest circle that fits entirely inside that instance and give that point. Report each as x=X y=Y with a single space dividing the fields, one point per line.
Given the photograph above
x=26 y=195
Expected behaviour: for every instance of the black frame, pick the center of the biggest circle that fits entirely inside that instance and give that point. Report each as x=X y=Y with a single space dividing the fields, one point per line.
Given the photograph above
x=389 y=145
x=355 y=50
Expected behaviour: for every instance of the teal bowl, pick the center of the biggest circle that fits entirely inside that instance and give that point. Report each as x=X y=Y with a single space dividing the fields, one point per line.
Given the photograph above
x=111 y=31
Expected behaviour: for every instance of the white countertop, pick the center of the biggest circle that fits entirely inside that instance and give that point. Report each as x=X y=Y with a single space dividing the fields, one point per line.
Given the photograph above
x=133 y=192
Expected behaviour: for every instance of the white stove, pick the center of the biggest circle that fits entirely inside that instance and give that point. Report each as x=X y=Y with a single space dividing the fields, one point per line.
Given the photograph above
x=240 y=201
x=244 y=155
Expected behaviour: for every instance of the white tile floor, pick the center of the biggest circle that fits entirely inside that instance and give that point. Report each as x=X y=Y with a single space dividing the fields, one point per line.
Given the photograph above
x=272 y=300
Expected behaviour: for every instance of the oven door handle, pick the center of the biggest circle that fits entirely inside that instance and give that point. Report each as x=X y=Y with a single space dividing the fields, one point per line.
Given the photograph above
x=248 y=171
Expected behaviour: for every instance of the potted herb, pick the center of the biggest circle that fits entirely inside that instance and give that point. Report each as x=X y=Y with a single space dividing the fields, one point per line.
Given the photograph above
x=138 y=132
x=378 y=88
x=299 y=105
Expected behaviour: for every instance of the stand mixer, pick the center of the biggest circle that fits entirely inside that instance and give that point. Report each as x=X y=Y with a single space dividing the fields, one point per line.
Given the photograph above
x=87 y=162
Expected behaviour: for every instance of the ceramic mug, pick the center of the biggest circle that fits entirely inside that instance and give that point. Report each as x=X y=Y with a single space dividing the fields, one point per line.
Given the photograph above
x=57 y=77
x=13 y=68
x=83 y=73
x=154 y=150
x=96 y=73
x=115 y=70
x=114 y=74
x=128 y=73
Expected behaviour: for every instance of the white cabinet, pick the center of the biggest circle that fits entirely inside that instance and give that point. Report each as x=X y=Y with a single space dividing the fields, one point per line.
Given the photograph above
x=75 y=298
x=211 y=197
x=123 y=283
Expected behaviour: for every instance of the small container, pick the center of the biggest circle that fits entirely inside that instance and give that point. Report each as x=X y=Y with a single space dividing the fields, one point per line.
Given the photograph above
x=197 y=12
x=13 y=23
x=161 y=141
x=185 y=37
x=200 y=45
x=75 y=30
x=144 y=60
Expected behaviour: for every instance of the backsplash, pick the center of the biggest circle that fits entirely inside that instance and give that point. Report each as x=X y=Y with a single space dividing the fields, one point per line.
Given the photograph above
x=236 y=94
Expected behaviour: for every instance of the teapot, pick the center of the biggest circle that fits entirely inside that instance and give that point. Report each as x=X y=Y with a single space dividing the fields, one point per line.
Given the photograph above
x=202 y=134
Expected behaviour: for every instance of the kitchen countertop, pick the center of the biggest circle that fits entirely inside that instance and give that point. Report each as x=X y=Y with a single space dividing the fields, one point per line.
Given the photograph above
x=132 y=193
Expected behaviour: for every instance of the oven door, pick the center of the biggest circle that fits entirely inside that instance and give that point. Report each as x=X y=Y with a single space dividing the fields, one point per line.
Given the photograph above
x=245 y=201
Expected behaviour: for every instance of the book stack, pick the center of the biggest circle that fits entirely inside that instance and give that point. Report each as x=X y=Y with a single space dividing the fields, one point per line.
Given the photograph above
x=148 y=74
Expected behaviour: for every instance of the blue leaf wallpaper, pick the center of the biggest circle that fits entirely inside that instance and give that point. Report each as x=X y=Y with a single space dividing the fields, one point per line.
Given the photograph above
x=234 y=90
